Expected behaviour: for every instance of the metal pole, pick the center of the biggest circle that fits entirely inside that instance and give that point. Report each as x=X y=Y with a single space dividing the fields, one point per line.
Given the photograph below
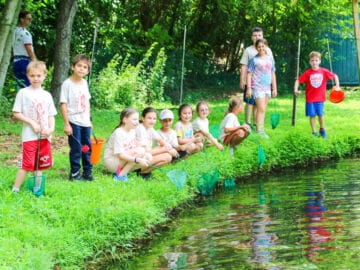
x=182 y=67
x=93 y=47
x=293 y=119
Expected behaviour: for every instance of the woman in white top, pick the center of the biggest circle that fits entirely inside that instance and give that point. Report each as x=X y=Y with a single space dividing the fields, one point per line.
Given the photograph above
x=23 y=49
x=123 y=152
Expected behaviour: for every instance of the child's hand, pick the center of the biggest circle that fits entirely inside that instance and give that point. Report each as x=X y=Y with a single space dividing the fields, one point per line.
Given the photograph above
x=143 y=162
x=36 y=127
x=173 y=153
x=220 y=146
x=247 y=127
x=248 y=92
x=68 y=130
x=337 y=88
x=46 y=133
x=297 y=92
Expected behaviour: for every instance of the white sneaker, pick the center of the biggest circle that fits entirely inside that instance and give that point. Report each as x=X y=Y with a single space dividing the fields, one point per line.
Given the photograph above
x=231 y=150
x=263 y=134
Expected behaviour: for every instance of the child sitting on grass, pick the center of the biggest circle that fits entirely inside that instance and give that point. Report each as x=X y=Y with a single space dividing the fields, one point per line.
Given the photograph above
x=123 y=153
x=232 y=133
x=168 y=134
x=146 y=134
x=185 y=133
x=201 y=125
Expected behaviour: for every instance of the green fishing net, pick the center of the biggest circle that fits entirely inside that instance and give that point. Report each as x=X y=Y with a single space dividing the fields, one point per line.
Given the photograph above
x=177 y=177
x=207 y=183
x=36 y=185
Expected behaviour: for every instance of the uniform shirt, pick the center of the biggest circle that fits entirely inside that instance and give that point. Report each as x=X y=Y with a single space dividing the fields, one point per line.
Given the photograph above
x=146 y=136
x=315 y=81
x=120 y=141
x=169 y=137
x=201 y=124
x=229 y=121
x=36 y=104
x=22 y=37
x=77 y=98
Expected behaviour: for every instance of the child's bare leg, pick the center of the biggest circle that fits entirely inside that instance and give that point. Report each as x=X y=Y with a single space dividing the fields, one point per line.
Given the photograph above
x=237 y=138
x=20 y=177
x=260 y=113
x=321 y=122
x=190 y=148
x=157 y=161
x=127 y=167
x=313 y=124
x=249 y=111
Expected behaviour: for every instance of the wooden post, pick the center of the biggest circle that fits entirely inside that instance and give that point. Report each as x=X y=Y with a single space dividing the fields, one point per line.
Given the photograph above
x=357 y=32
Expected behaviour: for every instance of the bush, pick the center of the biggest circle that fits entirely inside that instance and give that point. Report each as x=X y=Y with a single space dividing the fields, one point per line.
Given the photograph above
x=5 y=107
x=122 y=83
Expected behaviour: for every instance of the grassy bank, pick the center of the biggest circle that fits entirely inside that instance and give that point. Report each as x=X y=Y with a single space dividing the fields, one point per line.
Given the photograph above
x=77 y=221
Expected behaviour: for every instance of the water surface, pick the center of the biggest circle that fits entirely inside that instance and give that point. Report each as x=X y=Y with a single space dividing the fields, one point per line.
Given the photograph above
x=297 y=219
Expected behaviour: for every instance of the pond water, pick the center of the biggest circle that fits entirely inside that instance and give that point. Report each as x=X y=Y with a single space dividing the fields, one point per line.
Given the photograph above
x=297 y=219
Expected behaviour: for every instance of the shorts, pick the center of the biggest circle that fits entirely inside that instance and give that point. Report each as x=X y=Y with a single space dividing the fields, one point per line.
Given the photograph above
x=30 y=155
x=262 y=94
x=250 y=100
x=314 y=109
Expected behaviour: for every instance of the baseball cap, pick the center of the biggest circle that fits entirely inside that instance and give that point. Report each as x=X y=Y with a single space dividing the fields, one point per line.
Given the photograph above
x=165 y=114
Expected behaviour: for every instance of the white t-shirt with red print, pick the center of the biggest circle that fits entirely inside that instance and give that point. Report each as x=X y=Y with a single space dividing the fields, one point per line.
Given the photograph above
x=36 y=104
x=77 y=97
x=146 y=136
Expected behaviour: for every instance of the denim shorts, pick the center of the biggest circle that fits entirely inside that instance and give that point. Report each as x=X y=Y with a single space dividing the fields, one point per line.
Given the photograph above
x=314 y=109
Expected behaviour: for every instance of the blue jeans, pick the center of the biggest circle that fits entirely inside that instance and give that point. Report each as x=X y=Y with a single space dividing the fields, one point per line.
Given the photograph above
x=81 y=136
x=20 y=73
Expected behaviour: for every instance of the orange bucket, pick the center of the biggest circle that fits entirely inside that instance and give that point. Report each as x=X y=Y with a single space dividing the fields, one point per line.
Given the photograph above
x=96 y=149
x=336 y=96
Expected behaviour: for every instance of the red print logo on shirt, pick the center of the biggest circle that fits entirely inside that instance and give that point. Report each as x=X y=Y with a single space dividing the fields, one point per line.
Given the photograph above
x=316 y=80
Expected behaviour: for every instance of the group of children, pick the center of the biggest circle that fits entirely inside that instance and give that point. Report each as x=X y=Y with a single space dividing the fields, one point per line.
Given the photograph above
x=35 y=108
x=135 y=145
x=131 y=145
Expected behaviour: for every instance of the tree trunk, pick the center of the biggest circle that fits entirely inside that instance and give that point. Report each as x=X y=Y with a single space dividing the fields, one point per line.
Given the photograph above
x=8 y=22
x=357 y=32
x=64 y=25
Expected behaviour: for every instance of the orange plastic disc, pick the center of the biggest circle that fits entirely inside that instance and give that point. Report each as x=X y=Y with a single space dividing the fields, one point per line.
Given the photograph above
x=336 y=96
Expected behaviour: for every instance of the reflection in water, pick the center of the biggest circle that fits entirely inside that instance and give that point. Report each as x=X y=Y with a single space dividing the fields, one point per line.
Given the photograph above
x=263 y=239
x=303 y=219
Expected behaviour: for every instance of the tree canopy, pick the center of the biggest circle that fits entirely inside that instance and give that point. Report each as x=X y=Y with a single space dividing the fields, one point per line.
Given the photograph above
x=217 y=32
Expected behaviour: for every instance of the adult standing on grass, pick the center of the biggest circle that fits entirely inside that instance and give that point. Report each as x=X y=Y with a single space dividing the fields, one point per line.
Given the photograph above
x=35 y=108
x=250 y=52
x=315 y=79
x=75 y=109
x=23 y=49
x=261 y=82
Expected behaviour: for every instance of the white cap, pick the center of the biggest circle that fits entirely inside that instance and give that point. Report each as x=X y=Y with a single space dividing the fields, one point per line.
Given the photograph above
x=166 y=114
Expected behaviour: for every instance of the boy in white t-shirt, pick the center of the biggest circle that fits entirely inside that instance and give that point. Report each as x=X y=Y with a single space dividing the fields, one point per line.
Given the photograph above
x=75 y=109
x=35 y=108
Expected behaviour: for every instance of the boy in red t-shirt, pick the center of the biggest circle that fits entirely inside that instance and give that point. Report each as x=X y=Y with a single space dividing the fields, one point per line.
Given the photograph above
x=315 y=79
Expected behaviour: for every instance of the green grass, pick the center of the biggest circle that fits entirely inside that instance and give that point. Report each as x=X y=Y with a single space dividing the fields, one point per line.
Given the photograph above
x=78 y=222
